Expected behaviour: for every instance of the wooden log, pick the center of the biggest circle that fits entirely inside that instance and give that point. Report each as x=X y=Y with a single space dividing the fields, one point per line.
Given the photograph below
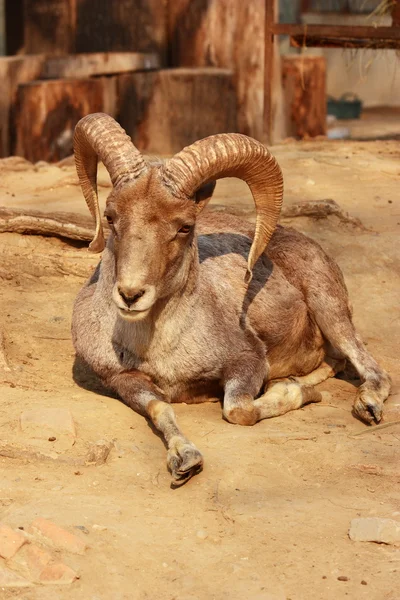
x=14 y=70
x=47 y=112
x=304 y=85
x=225 y=34
x=98 y=63
x=163 y=111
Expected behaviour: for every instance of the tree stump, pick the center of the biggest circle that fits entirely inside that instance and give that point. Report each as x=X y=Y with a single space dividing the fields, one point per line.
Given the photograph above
x=14 y=70
x=47 y=111
x=163 y=111
x=304 y=85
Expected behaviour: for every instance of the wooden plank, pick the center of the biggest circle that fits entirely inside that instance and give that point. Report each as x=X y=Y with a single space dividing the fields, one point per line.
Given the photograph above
x=269 y=48
x=299 y=41
x=163 y=111
x=14 y=70
x=224 y=34
x=337 y=31
x=273 y=117
x=98 y=63
x=47 y=112
x=304 y=84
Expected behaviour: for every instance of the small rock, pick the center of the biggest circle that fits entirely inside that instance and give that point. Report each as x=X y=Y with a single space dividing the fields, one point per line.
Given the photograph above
x=49 y=424
x=343 y=578
x=363 y=582
x=10 y=541
x=99 y=527
x=9 y=579
x=375 y=529
x=57 y=537
x=99 y=452
x=82 y=528
x=202 y=535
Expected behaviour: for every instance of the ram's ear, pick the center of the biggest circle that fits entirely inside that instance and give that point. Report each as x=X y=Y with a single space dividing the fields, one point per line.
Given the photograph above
x=204 y=194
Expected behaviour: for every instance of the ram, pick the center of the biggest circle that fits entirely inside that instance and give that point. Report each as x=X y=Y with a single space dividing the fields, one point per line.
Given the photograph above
x=187 y=306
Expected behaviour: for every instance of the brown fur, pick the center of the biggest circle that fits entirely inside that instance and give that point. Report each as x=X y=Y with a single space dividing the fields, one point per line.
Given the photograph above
x=194 y=328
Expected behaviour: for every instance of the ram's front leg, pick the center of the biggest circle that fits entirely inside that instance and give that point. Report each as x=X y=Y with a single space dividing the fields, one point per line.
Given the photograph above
x=138 y=391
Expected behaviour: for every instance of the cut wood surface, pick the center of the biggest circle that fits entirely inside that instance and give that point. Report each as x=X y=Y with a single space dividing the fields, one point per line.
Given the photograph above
x=98 y=63
x=47 y=112
x=14 y=70
x=163 y=111
x=304 y=85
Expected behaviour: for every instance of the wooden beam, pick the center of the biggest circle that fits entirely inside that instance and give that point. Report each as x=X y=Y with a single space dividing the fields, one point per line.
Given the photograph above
x=268 y=68
x=336 y=31
x=314 y=41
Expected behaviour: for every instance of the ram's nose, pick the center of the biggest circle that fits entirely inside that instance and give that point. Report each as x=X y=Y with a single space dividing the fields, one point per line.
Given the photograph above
x=130 y=295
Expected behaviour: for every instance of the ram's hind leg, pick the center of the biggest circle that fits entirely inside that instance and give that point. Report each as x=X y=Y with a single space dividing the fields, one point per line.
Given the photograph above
x=329 y=368
x=330 y=307
x=279 y=398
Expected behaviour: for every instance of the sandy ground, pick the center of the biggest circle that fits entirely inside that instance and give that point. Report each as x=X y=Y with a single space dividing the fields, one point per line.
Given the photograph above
x=268 y=517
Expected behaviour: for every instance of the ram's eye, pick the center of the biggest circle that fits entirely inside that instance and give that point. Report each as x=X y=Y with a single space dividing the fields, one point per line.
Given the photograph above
x=185 y=229
x=109 y=219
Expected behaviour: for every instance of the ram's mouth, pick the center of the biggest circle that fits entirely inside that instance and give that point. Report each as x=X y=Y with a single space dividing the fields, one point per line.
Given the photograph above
x=133 y=315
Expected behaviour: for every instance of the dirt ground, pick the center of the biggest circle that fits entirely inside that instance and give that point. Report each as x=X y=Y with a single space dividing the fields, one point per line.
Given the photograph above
x=268 y=518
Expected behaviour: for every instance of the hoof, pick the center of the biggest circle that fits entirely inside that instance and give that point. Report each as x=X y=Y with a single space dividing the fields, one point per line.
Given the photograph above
x=368 y=407
x=184 y=461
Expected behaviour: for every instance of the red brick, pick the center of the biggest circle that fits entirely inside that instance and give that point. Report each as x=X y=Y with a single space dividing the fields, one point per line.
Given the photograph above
x=57 y=536
x=9 y=579
x=57 y=573
x=10 y=541
x=35 y=560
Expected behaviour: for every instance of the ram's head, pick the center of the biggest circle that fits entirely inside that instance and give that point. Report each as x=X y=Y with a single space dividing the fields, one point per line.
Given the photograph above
x=152 y=208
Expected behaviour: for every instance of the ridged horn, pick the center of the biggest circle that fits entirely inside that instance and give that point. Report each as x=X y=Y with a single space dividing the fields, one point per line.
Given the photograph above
x=99 y=135
x=232 y=155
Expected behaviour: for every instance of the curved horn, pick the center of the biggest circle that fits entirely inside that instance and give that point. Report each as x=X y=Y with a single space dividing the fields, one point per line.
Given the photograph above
x=99 y=135
x=232 y=155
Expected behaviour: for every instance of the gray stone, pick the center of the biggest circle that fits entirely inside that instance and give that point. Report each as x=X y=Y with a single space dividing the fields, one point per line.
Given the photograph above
x=375 y=529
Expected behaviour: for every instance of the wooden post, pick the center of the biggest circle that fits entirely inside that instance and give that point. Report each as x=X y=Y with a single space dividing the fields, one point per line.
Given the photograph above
x=47 y=112
x=304 y=84
x=225 y=34
x=13 y=71
x=163 y=111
